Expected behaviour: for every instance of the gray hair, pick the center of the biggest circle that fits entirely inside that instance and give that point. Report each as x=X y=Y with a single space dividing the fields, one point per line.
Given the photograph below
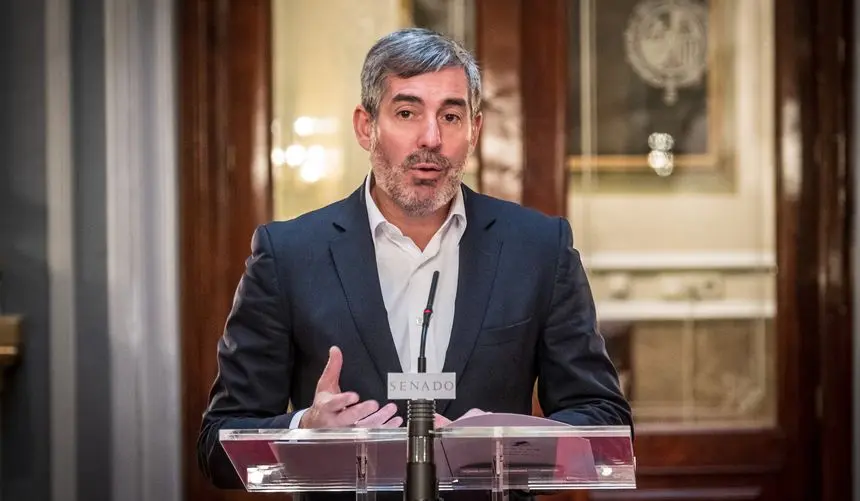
x=410 y=52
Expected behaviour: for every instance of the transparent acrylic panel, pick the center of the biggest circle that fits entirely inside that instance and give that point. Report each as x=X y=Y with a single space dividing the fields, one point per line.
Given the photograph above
x=320 y=460
x=318 y=49
x=670 y=151
x=556 y=457
x=538 y=458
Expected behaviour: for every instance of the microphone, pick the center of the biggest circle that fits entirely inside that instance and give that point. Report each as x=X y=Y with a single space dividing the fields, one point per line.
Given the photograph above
x=422 y=361
x=421 y=483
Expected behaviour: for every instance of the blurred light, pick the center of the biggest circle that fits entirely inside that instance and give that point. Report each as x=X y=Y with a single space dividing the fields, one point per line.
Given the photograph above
x=316 y=153
x=278 y=157
x=311 y=172
x=295 y=155
x=661 y=159
x=661 y=141
x=255 y=476
x=314 y=167
x=663 y=163
x=304 y=126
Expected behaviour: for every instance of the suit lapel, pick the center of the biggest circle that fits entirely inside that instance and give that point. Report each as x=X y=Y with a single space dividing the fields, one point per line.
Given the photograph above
x=355 y=261
x=479 y=258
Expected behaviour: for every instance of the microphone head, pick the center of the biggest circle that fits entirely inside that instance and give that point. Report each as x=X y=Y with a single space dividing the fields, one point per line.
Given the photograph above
x=433 y=284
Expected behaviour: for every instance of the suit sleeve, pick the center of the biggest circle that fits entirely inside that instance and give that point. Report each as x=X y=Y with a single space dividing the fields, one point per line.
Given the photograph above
x=255 y=361
x=577 y=382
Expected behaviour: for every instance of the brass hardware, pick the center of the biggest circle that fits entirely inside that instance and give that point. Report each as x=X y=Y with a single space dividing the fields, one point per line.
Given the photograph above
x=10 y=341
x=10 y=336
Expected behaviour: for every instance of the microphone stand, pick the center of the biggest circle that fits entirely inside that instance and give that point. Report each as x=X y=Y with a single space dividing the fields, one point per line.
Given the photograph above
x=421 y=481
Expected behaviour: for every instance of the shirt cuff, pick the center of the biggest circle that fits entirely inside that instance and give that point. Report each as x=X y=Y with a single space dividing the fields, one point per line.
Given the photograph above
x=297 y=418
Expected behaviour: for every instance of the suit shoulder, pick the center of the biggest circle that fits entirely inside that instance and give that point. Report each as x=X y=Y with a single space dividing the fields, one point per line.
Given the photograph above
x=305 y=228
x=524 y=221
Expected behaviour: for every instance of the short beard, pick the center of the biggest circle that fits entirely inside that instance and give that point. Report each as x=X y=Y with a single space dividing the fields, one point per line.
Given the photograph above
x=391 y=179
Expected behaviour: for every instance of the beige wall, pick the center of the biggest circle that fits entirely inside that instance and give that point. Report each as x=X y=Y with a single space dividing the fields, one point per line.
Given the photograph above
x=318 y=50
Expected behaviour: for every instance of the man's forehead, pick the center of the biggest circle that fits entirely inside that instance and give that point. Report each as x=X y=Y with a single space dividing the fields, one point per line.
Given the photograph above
x=446 y=84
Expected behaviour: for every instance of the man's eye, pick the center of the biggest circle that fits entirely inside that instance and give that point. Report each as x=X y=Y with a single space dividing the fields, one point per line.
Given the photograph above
x=452 y=118
x=404 y=113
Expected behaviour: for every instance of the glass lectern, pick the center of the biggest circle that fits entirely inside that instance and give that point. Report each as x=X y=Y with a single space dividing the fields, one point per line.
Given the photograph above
x=543 y=456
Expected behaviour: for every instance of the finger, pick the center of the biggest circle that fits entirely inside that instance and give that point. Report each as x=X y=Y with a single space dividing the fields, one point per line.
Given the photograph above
x=394 y=422
x=335 y=402
x=351 y=415
x=378 y=418
x=330 y=378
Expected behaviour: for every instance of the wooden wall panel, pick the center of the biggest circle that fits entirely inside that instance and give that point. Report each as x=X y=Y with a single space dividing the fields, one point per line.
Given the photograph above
x=225 y=187
x=544 y=79
x=499 y=52
x=833 y=53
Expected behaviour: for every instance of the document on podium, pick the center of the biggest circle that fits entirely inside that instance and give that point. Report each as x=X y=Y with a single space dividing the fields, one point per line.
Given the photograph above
x=327 y=458
x=534 y=451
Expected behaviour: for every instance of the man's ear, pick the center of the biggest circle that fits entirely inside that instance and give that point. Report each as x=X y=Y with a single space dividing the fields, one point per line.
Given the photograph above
x=363 y=126
x=477 y=122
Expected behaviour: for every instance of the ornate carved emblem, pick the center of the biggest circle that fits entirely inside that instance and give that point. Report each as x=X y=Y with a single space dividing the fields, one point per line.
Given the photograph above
x=666 y=42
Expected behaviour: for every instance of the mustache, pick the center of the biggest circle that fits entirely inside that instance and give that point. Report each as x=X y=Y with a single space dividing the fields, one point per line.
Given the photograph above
x=427 y=157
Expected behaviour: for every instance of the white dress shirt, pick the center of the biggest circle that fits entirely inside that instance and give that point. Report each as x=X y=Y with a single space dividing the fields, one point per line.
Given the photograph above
x=405 y=274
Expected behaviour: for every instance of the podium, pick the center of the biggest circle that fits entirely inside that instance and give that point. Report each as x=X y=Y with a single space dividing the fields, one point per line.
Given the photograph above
x=523 y=453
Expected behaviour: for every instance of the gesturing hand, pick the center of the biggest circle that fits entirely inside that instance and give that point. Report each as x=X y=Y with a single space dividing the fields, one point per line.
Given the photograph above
x=335 y=409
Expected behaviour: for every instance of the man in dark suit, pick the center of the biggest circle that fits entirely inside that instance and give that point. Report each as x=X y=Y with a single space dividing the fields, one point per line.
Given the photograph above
x=331 y=302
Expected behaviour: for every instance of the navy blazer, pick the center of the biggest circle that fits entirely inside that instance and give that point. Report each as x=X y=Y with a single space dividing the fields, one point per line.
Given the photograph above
x=524 y=312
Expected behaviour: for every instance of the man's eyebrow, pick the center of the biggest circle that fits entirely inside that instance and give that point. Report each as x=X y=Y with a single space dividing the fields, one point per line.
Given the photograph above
x=407 y=98
x=454 y=101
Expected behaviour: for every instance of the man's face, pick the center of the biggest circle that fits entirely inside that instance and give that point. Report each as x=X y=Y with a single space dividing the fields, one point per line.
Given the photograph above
x=422 y=137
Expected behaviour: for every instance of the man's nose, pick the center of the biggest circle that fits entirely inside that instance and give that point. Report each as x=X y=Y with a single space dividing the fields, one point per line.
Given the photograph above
x=431 y=136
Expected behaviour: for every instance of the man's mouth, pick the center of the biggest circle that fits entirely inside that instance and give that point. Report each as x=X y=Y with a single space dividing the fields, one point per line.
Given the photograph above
x=427 y=167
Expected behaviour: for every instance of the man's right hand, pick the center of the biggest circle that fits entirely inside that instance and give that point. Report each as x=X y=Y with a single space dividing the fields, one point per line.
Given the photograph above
x=335 y=409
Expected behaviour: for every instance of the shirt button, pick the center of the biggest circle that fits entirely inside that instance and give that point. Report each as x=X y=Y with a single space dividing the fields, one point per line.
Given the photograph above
x=419 y=321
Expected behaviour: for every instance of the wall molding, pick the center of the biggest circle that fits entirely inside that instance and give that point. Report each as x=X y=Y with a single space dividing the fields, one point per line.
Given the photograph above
x=732 y=309
x=679 y=261
x=142 y=245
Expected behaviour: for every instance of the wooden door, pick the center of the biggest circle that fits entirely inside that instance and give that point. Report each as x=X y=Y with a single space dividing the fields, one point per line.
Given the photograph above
x=229 y=110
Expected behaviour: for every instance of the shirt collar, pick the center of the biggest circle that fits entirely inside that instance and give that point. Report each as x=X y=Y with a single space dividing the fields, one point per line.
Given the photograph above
x=375 y=217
